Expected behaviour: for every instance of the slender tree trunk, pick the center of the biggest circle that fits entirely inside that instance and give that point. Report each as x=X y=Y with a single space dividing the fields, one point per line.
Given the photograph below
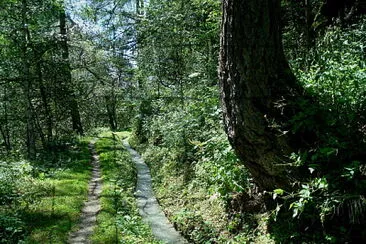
x=71 y=98
x=111 y=111
x=309 y=33
x=257 y=86
x=27 y=84
x=4 y=127
x=111 y=98
x=139 y=6
x=114 y=105
x=4 y=135
x=46 y=105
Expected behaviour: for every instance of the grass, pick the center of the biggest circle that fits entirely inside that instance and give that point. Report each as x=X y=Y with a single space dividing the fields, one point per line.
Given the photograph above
x=49 y=197
x=119 y=220
x=58 y=213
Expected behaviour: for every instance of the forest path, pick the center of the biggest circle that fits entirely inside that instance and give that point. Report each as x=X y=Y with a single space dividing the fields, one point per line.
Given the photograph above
x=149 y=207
x=92 y=206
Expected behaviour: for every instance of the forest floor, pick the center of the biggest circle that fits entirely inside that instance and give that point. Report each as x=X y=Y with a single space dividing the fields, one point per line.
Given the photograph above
x=92 y=205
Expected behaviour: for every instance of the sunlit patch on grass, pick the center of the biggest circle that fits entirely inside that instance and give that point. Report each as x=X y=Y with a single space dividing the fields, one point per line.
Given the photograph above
x=51 y=218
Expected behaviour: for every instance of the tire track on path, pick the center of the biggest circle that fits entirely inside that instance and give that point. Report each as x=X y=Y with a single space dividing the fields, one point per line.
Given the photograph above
x=92 y=206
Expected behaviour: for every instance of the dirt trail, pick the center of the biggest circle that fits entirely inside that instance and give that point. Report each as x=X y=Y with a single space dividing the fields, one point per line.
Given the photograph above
x=148 y=205
x=92 y=205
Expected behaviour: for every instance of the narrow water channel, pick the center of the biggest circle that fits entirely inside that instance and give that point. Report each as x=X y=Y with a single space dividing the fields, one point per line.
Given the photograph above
x=148 y=206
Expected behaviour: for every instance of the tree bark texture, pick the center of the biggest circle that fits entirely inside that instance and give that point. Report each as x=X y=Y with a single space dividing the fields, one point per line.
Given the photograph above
x=256 y=86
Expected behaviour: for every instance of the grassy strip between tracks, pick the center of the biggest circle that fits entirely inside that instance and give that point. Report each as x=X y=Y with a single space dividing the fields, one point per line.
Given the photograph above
x=119 y=220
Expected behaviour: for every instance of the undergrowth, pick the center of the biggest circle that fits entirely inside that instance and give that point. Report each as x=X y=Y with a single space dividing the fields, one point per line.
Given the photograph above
x=196 y=175
x=330 y=205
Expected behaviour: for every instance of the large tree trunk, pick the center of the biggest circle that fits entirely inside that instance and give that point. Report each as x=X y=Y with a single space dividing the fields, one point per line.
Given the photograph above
x=256 y=87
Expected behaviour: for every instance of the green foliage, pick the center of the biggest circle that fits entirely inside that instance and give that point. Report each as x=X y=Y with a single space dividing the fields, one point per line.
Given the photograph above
x=13 y=178
x=218 y=168
x=190 y=157
x=11 y=228
x=194 y=227
x=18 y=190
x=329 y=206
x=337 y=72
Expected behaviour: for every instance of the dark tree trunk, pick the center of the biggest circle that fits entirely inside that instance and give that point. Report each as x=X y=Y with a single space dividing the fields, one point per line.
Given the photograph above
x=45 y=101
x=27 y=84
x=257 y=87
x=110 y=101
x=4 y=123
x=139 y=6
x=309 y=19
x=70 y=94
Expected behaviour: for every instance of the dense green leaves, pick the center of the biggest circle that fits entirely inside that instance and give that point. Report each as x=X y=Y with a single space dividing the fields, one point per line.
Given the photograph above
x=150 y=66
x=333 y=72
